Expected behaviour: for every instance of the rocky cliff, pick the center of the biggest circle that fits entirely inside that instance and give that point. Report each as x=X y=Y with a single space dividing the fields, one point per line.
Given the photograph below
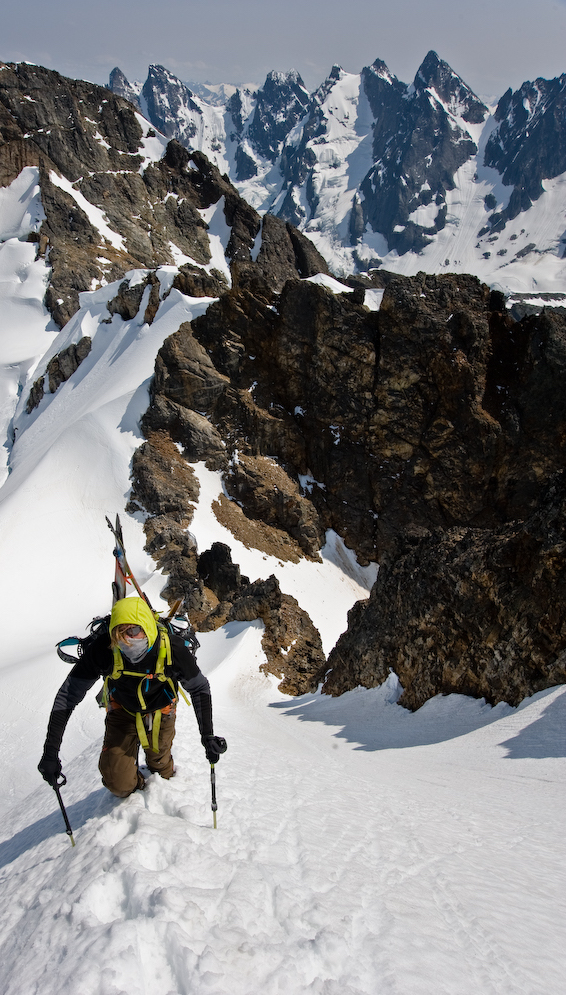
x=428 y=441
x=470 y=610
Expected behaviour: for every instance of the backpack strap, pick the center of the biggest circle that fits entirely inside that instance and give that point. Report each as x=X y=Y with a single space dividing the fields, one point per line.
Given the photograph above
x=69 y=641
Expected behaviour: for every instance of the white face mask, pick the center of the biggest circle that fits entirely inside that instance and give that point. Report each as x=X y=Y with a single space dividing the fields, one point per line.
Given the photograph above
x=133 y=649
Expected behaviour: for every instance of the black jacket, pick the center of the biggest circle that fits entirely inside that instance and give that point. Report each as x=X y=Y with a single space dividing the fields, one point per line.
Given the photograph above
x=98 y=661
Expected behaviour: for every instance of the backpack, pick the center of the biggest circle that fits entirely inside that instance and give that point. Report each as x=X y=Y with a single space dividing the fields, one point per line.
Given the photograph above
x=179 y=625
x=98 y=627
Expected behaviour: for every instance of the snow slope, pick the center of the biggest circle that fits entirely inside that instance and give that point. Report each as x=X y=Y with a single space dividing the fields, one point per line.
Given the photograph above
x=360 y=848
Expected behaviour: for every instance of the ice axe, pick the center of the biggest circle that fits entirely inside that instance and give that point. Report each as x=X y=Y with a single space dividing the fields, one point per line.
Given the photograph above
x=220 y=747
x=57 y=785
x=214 y=806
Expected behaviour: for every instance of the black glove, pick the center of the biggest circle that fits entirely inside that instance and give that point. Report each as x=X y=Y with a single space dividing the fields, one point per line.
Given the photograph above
x=213 y=747
x=50 y=769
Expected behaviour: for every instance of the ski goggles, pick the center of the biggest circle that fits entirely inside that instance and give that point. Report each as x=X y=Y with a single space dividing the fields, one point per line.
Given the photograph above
x=132 y=632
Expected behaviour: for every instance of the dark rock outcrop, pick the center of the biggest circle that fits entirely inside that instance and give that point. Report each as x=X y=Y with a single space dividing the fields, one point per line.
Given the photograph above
x=174 y=549
x=64 y=364
x=291 y=643
x=293 y=648
x=266 y=492
x=421 y=433
x=285 y=254
x=162 y=480
x=59 y=369
x=472 y=611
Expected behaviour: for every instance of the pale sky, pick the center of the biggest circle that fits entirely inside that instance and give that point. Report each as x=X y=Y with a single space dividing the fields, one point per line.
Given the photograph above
x=491 y=44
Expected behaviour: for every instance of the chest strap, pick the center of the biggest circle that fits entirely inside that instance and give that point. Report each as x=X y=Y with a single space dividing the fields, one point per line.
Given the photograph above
x=163 y=660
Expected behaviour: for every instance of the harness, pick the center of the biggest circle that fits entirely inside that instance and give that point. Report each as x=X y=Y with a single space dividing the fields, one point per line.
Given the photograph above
x=163 y=661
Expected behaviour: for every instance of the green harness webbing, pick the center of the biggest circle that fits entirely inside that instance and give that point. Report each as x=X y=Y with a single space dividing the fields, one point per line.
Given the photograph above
x=163 y=660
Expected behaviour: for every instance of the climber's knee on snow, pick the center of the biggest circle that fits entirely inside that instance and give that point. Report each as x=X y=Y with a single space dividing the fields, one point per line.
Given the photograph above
x=119 y=772
x=118 y=760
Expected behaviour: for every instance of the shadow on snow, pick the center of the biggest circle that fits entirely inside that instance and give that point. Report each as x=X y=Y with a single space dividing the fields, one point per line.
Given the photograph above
x=373 y=720
x=97 y=803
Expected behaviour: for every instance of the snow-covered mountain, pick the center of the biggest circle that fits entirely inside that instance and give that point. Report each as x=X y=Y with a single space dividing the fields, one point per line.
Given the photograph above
x=383 y=174
x=168 y=354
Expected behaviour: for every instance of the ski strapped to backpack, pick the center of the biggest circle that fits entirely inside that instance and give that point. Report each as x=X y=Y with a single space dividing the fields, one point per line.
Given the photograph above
x=123 y=575
x=174 y=623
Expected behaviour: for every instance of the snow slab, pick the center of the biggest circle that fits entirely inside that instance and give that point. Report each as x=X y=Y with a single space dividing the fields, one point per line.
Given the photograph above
x=21 y=210
x=323 y=280
x=27 y=327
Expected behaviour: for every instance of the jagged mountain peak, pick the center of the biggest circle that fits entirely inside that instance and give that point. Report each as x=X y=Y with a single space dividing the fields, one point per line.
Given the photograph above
x=528 y=145
x=280 y=104
x=321 y=93
x=120 y=85
x=336 y=72
x=530 y=100
x=275 y=78
x=429 y=70
x=381 y=70
x=163 y=89
x=460 y=100
x=387 y=155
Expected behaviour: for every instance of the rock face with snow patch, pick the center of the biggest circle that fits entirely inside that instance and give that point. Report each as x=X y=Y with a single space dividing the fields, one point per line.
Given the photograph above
x=109 y=208
x=121 y=86
x=426 y=419
x=281 y=103
x=169 y=104
x=420 y=140
x=59 y=369
x=529 y=143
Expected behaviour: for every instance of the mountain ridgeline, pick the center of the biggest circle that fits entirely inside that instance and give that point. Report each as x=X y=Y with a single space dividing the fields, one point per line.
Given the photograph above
x=413 y=415
x=372 y=168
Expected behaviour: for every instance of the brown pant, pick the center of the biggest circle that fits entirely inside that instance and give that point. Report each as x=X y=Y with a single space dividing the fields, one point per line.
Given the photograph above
x=118 y=762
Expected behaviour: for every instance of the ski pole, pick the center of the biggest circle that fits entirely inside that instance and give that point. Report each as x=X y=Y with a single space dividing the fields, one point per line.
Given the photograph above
x=57 y=789
x=214 y=806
